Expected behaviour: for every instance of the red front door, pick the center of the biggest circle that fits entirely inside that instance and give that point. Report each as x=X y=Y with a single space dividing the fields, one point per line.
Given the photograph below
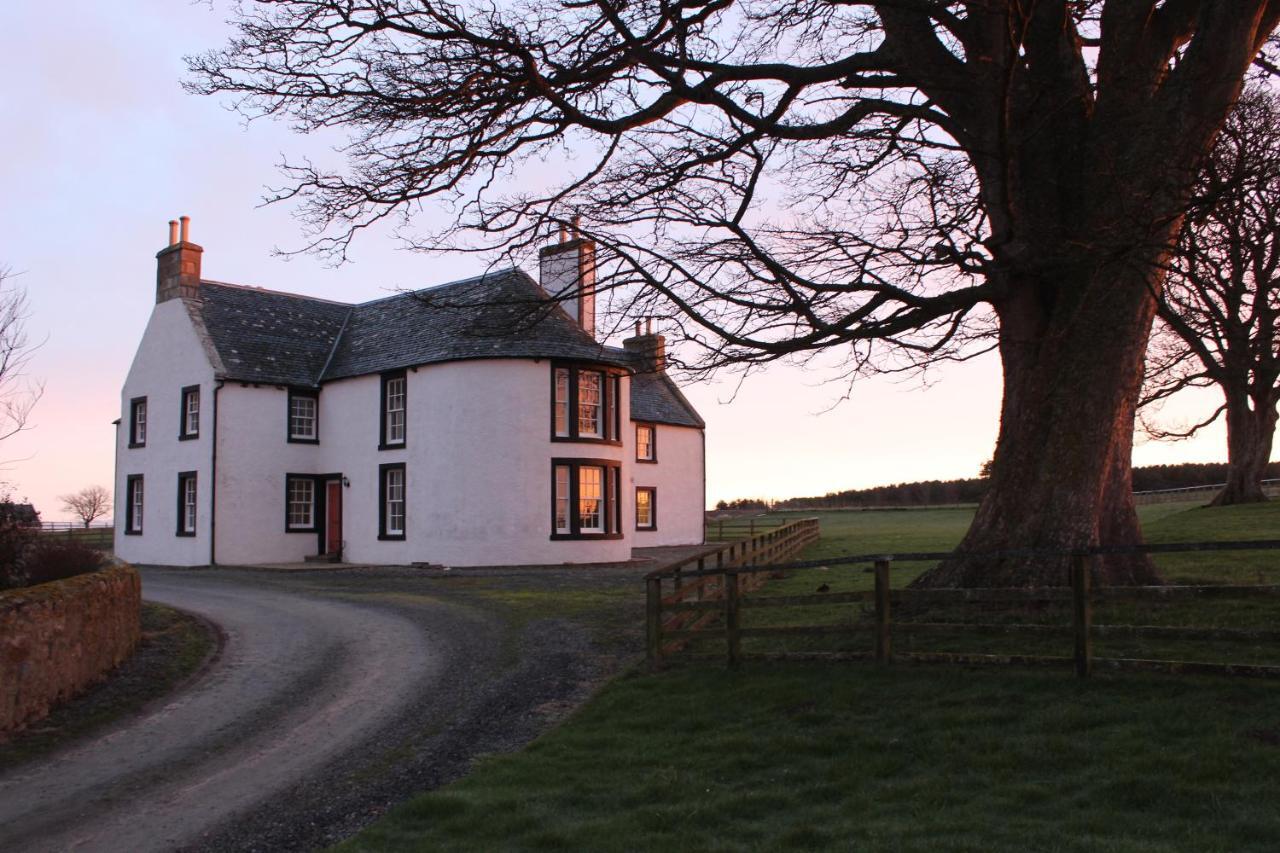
x=333 y=517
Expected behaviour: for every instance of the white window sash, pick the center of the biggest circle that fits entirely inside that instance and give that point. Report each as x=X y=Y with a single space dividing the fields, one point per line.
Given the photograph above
x=395 y=504
x=591 y=411
x=136 y=521
x=561 y=401
x=563 y=523
x=189 y=505
x=302 y=417
x=395 y=411
x=591 y=499
x=193 y=412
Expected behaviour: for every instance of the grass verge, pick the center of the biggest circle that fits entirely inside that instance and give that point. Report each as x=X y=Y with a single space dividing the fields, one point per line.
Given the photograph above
x=814 y=757
x=820 y=757
x=174 y=645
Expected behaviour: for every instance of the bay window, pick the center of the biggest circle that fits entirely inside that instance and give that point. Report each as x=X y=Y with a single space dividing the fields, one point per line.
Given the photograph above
x=585 y=499
x=584 y=404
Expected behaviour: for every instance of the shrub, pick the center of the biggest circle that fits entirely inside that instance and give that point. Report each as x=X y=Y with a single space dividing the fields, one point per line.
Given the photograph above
x=16 y=537
x=53 y=560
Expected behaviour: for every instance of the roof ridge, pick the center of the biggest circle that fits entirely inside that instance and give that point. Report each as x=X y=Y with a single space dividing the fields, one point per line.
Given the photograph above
x=256 y=289
x=469 y=280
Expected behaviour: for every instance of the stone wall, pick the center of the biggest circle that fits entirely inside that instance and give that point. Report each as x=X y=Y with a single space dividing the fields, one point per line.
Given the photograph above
x=58 y=638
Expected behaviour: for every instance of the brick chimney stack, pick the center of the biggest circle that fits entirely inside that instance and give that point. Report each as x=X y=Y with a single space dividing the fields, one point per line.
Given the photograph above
x=648 y=350
x=567 y=272
x=178 y=264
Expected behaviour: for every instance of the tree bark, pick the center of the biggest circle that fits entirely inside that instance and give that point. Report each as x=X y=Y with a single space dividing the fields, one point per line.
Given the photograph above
x=1072 y=353
x=1250 y=433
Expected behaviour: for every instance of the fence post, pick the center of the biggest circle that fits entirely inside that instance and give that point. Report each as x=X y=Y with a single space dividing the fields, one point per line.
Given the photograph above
x=752 y=528
x=653 y=621
x=731 y=625
x=1082 y=614
x=884 y=652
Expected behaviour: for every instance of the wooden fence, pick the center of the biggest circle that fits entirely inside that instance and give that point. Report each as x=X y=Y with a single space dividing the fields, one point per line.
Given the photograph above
x=674 y=621
x=702 y=578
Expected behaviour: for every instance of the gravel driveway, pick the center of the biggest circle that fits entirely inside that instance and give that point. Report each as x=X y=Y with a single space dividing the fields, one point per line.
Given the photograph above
x=337 y=694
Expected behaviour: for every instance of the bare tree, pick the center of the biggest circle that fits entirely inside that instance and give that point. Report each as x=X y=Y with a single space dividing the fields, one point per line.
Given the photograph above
x=1219 y=313
x=898 y=182
x=89 y=503
x=18 y=392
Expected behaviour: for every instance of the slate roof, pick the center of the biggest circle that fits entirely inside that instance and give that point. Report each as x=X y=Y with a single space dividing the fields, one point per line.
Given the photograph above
x=286 y=339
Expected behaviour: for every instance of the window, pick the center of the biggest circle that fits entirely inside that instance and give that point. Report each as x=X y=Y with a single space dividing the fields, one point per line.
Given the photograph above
x=561 y=411
x=138 y=422
x=300 y=503
x=133 y=509
x=189 y=425
x=187 y=503
x=584 y=499
x=303 y=414
x=393 y=410
x=646 y=508
x=646 y=446
x=584 y=404
x=391 y=504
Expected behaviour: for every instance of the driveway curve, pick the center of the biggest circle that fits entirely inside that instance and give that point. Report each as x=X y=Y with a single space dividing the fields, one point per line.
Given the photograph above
x=302 y=679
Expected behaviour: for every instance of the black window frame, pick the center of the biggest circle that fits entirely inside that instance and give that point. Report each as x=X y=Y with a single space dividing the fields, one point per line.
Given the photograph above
x=294 y=394
x=383 y=444
x=133 y=421
x=610 y=402
x=289 y=480
x=612 y=493
x=653 y=508
x=180 y=530
x=187 y=390
x=383 y=534
x=129 y=482
x=653 y=442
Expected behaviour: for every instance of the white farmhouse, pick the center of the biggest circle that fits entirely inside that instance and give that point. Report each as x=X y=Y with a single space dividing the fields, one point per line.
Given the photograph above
x=475 y=423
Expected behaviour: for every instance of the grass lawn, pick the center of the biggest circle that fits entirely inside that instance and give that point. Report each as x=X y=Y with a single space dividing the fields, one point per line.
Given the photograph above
x=840 y=757
x=174 y=644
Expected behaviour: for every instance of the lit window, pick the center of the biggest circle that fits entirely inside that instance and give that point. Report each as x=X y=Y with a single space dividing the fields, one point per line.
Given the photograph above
x=589 y=399
x=584 y=499
x=392 y=482
x=562 y=499
x=302 y=503
x=302 y=417
x=138 y=422
x=393 y=410
x=187 y=503
x=133 y=511
x=190 y=412
x=590 y=499
x=584 y=404
x=644 y=443
x=646 y=499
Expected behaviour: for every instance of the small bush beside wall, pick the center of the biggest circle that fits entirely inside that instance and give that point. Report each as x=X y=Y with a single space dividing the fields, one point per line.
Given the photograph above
x=58 y=638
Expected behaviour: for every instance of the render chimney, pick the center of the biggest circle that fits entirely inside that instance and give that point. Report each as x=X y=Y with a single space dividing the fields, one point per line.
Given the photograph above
x=178 y=264
x=567 y=272
x=648 y=351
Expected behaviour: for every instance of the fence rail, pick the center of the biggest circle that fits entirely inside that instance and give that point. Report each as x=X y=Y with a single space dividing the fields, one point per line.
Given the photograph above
x=64 y=526
x=721 y=595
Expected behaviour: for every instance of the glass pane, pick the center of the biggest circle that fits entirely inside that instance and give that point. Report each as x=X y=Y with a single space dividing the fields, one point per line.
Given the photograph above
x=562 y=499
x=591 y=499
x=589 y=388
x=561 y=403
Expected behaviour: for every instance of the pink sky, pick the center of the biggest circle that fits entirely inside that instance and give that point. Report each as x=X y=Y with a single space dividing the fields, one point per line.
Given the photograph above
x=102 y=148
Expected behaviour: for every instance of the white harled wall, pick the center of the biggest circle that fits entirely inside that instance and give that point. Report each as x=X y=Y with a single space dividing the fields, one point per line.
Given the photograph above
x=478 y=465
x=169 y=358
x=678 y=478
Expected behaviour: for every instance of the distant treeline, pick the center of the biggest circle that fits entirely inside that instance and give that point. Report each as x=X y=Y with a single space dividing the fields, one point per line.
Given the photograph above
x=935 y=492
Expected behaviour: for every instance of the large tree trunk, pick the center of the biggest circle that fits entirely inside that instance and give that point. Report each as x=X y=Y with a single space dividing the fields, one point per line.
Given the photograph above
x=1061 y=479
x=1250 y=433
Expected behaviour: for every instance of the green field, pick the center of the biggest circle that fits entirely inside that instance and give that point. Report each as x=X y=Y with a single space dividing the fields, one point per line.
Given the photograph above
x=851 y=757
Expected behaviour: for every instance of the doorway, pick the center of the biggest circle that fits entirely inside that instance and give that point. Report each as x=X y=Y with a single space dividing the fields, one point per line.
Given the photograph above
x=332 y=538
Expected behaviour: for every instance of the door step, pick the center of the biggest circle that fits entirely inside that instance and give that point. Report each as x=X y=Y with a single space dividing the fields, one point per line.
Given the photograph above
x=321 y=558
